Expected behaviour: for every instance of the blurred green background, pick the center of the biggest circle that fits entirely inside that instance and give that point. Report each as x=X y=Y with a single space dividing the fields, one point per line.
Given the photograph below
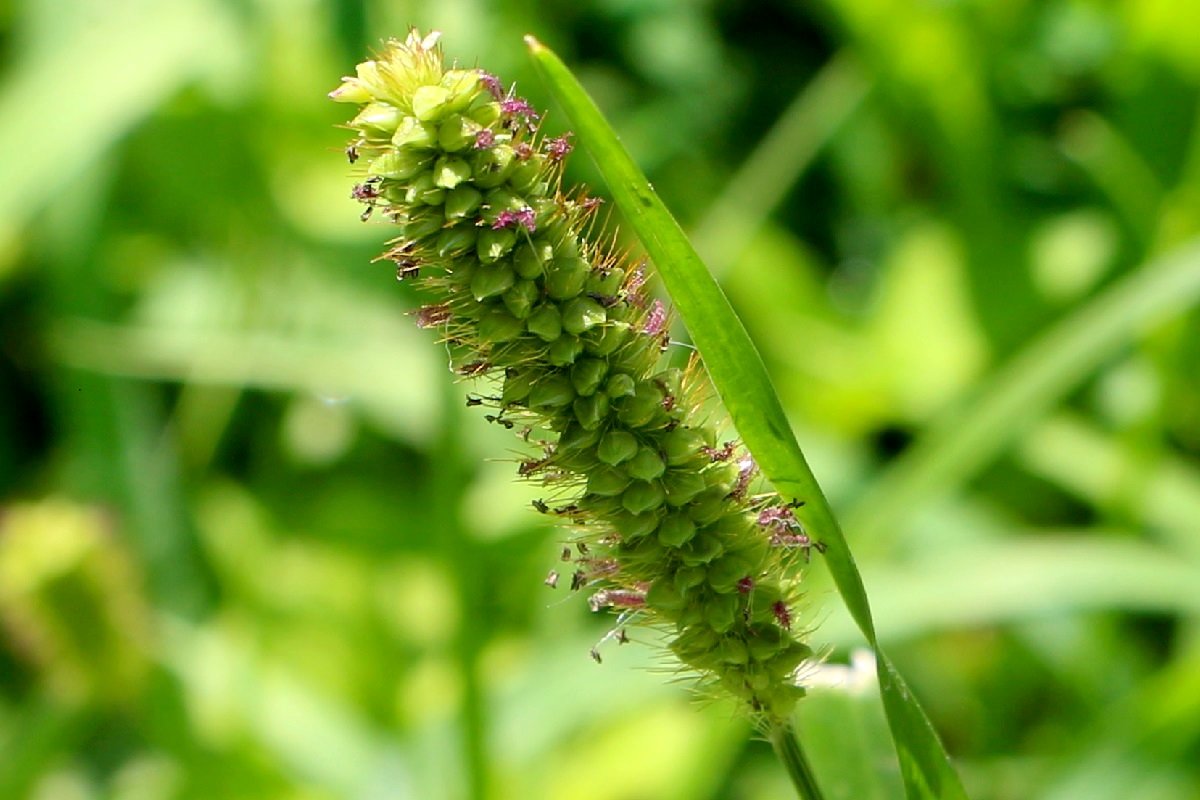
x=253 y=546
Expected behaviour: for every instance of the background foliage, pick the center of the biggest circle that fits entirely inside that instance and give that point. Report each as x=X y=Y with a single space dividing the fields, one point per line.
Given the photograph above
x=252 y=545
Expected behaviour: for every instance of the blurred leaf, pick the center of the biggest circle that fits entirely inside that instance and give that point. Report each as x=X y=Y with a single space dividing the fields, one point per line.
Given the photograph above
x=961 y=443
x=1165 y=494
x=923 y=324
x=845 y=732
x=1041 y=575
x=233 y=693
x=61 y=112
x=778 y=161
x=324 y=339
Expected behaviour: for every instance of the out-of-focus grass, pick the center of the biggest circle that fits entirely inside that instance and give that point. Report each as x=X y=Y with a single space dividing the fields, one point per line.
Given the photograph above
x=342 y=598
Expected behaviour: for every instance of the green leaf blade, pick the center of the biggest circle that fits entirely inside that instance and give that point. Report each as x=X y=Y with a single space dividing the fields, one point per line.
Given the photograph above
x=741 y=380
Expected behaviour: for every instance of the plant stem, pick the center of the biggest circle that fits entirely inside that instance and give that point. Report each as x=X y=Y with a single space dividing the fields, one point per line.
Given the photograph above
x=787 y=747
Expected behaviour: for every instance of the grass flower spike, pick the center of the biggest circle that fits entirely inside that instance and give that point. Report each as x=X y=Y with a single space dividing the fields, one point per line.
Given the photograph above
x=667 y=532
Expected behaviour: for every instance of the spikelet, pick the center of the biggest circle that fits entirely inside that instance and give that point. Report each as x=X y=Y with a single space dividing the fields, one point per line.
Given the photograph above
x=665 y=528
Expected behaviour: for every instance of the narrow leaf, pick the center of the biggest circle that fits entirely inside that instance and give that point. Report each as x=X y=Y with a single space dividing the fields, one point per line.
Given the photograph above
x=740 y=378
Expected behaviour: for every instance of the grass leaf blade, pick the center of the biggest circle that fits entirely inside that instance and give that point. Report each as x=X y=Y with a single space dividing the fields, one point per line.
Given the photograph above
x=741 y=379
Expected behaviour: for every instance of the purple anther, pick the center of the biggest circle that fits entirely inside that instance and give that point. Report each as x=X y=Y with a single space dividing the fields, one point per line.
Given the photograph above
x=558 y=148
x=492 y=83
x=656 y=320
x=510 y=219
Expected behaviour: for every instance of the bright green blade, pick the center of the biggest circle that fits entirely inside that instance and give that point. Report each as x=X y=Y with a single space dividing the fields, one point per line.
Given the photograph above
x=741 y=379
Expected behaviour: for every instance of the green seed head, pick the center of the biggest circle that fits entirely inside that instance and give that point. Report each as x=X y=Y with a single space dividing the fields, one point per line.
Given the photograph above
x=456 y=162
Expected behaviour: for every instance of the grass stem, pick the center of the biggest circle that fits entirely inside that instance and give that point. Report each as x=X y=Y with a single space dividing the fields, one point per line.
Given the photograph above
x=787 y=747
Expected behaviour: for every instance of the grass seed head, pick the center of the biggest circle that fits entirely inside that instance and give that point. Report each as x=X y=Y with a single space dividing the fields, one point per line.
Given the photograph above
x=560 y=321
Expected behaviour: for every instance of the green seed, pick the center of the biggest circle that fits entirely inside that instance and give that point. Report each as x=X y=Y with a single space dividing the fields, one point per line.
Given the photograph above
x=529 y=258
x=430 y=103
x=766 y=640
x=604 y=341
x=351 y=93
x=462 y=201
x=682 y=486
x=663 y=595
x=616 y=447
x=725 y=572
x=450 y=172
x=689 y=578
x=722 y=476
x=575 y=438
x=566 y=244
x=545 y=323
x=708 y=506
x=646 y=465
x=620 y=385
x=554 y=391
x=633 y=526
x=416 y=135
x=464 y=86
x=671 y=380
x=493 y=245
x=399 y=164
x=456 y=133
x=643 y=556
x=694 y=642
x=520 y=298
x=455 y=241
x=563 y=351
x=491 y=281
x=591 y=410
x=502 y=199
x=582 y=314
x=676 y=530
x=499 y=326
x=703 y=548
x=525 y=176
x=734 y=651
x=786 y=661
x=423 y=190
x=588 y=374
x=422 y=224
x=565 y=277
x=721 y=612
x=492 y=167
x=607 y=284
x=517 y=385
x=681 y=444
x=642 y=496
x=643 y=407
x=607 y=482
x=378 y=118
x=485 y=114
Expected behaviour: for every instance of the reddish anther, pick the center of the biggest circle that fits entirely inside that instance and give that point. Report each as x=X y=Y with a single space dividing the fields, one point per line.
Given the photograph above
x=558 y=148
x=492 y=83
x=656 y=319
x=510 y=219
x=782 y=615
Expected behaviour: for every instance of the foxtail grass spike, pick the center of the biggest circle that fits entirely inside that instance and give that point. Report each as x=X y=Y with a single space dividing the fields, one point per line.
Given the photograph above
x=666 y=530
